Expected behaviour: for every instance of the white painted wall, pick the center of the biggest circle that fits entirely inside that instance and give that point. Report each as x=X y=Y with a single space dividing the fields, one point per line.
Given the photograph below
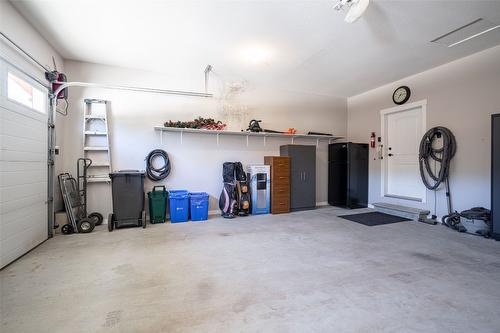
x=461 y=95
x=17 y=28
x=197 y=163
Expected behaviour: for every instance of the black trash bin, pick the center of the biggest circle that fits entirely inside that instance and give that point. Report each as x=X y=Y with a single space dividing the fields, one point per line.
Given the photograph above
x=128 y=199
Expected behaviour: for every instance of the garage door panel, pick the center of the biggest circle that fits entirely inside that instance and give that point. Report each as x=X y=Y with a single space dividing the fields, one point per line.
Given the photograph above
x=22 y=191
x=12 y=143
x=22 y=166
x=20 y=243
x=21 y=204
x=22 y=156
x=20 y=220
x=23 y=169
x=21 y=130
x=21 y=112
x=16 y=178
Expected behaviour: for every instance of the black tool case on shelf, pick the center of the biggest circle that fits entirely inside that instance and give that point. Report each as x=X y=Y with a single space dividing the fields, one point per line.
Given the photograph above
x=128 y=199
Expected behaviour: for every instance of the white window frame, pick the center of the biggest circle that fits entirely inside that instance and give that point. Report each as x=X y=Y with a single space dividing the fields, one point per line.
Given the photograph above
x=30 y=81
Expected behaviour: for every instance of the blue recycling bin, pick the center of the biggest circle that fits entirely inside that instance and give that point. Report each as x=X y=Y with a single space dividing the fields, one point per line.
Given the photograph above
x=198 y=205
x=179 y=206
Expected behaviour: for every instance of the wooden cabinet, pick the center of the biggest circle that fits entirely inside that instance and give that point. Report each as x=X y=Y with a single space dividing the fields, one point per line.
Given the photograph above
x=280 y=183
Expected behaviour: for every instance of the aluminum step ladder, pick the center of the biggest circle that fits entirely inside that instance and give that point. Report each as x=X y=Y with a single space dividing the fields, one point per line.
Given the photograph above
x=96 y=140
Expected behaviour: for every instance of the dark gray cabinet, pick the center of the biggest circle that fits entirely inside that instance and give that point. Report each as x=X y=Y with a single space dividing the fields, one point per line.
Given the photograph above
x=302 y=175
x=495 y=176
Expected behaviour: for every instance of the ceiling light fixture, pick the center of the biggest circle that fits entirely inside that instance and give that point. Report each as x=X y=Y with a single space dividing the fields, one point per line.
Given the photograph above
x=474 y=36
x=256 y=54
x=355 y=9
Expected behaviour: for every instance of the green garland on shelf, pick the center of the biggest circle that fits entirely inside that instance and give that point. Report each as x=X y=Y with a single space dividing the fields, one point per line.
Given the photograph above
x=199 y=123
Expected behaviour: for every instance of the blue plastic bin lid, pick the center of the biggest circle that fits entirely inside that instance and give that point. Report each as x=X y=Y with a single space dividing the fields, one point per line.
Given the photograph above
x=179 y=194
x=198 y=194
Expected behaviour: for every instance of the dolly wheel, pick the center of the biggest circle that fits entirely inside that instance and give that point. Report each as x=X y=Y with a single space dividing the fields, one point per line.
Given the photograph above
x=85 y=225
x=97 y=217
x=111 y=223
x=67 y=229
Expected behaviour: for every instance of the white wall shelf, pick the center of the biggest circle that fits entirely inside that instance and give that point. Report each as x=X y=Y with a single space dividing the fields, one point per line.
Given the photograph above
x=292 y=137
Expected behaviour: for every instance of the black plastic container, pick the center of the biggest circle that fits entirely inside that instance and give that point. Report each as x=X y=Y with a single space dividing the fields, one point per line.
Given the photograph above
x=128 y=199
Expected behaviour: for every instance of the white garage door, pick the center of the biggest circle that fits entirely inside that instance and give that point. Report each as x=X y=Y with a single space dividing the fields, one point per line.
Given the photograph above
x=23 y=164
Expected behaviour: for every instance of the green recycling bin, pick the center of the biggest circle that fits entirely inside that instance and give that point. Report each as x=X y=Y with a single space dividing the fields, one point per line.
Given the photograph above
x=158 y=204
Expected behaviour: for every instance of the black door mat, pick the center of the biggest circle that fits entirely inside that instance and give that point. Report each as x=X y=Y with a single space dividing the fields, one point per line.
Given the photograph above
x=374 y=218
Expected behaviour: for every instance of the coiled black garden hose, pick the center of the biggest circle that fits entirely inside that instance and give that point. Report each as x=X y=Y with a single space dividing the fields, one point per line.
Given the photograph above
x=159 y=173
x=442 y=155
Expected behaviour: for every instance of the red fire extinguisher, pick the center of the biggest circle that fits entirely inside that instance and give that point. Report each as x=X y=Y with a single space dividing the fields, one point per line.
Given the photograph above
x=372 y=140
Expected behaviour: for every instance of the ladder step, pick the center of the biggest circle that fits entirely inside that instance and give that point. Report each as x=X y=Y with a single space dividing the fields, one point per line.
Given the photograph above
x=100 y=164
x=103 y=179
x=93 y=116
x=95 y=148
x=95 y=133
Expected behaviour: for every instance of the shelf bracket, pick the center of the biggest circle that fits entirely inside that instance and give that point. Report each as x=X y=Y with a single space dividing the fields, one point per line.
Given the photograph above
x=317 y=143
x=265 y=140
x=247 y=140
x=181 y=136
x=329 y=141
x=161 y=137
x=217 y=139
x=292 y=140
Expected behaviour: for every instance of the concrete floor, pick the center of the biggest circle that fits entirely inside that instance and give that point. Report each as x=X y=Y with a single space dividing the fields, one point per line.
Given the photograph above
x=302 y=272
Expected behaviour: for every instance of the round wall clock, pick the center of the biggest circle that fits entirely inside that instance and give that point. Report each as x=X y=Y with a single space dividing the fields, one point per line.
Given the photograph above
x=401 y=95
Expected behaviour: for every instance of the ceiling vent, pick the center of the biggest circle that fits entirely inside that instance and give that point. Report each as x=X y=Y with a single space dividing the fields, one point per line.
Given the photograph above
x=466 y=32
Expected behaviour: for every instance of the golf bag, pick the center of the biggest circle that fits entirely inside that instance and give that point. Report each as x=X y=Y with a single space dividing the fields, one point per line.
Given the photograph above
x=243 y=197
x=227 y=200
x=234 y=199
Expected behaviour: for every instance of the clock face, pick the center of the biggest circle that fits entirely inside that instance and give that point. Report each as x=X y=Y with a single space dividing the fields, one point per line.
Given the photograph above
x=401 y=95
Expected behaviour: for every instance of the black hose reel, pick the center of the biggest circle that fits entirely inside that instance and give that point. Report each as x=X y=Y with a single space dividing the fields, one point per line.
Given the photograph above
x=161 y=172
x=429 y=154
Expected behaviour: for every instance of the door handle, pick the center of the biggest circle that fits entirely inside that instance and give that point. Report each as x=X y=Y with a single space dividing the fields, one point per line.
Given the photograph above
x=304 y=176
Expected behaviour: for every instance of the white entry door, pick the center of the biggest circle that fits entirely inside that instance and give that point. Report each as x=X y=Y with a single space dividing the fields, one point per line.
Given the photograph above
x=404 y=128
x=23 y=164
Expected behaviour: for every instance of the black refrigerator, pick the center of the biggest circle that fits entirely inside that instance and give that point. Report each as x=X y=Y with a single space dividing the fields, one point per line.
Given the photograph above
x=348 y=175
x=495 y=176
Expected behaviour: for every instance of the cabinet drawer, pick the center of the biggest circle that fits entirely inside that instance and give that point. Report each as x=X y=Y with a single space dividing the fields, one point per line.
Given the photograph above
x=281 y=168
x=281 y=189
x=281 y=179
x=280 y=204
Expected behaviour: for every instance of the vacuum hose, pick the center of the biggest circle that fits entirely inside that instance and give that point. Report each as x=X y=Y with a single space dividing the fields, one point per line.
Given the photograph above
x=441 y=155
x=162 y=172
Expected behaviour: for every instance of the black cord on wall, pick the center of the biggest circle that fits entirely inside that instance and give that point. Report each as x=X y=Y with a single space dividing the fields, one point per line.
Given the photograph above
x=157 y=174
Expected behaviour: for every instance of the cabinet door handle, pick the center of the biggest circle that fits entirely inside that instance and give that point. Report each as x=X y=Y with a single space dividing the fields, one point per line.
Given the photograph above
x=304 y=176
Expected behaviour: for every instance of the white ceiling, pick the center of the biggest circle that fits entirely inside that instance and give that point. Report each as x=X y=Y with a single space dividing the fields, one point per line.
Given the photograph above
x=311 y=48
